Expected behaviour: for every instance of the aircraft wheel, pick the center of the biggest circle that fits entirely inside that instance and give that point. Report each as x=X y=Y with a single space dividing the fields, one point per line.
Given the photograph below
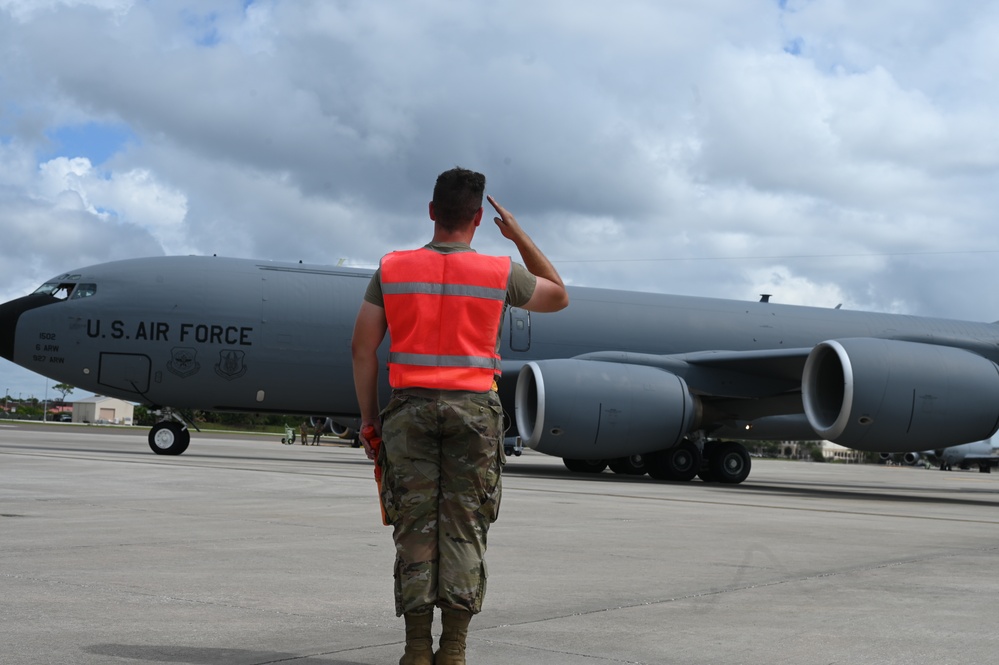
x=681 y=462
x=730 y=463
x=169 y=438
x=585 y=465
x=633 y=465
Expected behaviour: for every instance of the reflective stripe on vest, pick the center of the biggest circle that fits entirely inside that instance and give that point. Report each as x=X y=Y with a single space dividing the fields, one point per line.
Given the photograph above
x=444 y=290
x=427 y=360
x=444 y=312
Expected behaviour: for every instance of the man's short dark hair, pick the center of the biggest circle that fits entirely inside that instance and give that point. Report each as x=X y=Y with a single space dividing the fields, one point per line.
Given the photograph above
x=457 y=197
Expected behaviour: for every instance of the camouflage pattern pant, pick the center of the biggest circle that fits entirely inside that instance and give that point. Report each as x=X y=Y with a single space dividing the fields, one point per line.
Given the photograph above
x=441 y=457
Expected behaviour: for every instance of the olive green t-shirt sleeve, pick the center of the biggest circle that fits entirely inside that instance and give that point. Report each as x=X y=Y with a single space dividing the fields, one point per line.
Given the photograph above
x=373 y=294
x=521 y=286
x=518 y=291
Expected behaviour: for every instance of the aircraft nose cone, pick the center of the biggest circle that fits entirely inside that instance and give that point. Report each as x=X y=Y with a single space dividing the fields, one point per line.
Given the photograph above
x=8 y=321
x=10 y=312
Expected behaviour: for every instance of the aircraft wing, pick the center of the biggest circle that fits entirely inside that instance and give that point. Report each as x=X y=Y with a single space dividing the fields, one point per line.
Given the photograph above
x=746 y=374
x=734 y=374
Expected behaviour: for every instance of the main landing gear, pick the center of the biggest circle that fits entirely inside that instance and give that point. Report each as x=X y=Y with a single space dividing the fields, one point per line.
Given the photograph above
x=169 y=437
x=719 y=462
x=727 y=462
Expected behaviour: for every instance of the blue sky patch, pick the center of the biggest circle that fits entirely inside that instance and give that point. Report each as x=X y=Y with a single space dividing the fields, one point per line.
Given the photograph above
x=96 y=141
x=204 y=27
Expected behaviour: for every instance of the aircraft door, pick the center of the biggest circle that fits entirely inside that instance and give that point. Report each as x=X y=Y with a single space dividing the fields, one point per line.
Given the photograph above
x=125 y=371
x=520 y=329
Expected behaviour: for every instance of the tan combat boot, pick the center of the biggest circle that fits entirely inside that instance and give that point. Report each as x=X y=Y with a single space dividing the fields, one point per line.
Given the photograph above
x=419 y=641
x=452 y=646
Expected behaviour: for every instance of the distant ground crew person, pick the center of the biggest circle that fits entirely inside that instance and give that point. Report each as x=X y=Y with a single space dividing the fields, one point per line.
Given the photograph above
x=304 y=430
x=441 y=456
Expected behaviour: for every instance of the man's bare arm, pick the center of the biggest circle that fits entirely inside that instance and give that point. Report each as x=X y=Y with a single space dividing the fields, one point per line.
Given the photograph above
x=369 y=331
x=550 y=294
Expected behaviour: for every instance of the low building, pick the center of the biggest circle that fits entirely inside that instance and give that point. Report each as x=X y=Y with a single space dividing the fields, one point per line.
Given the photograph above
x=835 y=452
x=103 y=410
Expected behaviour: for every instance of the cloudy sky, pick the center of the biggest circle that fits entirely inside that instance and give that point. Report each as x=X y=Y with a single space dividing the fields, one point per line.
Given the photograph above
x=824 y=151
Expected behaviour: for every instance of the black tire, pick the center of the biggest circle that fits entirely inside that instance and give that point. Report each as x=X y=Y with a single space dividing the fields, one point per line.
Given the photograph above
x=633 y=465
x=681 y=462
x=585 y=465
x=730 y=463
x=169 y=438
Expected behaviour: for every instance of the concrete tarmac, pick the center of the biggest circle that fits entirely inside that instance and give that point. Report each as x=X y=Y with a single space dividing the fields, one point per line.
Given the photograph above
x=244 y=551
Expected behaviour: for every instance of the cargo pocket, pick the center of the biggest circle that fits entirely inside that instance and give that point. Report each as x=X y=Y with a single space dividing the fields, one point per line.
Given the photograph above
x=493 y=487
x=388 y=496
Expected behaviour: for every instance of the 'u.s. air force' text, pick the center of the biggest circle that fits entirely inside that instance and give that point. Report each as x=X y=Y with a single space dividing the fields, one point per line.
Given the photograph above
x=161 y=331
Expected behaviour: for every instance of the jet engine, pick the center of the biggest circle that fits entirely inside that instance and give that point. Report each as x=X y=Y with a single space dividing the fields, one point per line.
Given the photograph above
x=586 y=409
x=332 y=426
x=893 y=396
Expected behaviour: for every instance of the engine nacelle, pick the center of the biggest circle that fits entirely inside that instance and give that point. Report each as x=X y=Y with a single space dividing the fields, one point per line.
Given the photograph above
x=893 y=396
x=586 y=409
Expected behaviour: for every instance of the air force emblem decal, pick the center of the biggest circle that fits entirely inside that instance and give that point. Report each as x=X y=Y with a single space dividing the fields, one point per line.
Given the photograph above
x=230 y=364
x=183 y=361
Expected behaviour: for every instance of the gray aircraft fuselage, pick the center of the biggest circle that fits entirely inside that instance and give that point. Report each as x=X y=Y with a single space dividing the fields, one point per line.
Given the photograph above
x=241 y=335
x=982 y=453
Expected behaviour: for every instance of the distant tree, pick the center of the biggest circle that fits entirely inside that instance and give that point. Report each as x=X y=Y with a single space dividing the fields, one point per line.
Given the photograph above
x=767 y=448
x=870 y=457
x=63 y=388
x=814 y=449
x=142 y=416
x=30 y=410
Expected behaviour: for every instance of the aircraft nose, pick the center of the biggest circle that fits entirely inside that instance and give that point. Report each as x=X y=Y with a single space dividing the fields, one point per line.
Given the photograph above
x=8 y=321
x=10 y=312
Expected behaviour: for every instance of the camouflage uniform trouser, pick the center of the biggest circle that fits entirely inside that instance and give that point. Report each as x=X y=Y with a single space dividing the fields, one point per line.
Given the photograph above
x=441 y=457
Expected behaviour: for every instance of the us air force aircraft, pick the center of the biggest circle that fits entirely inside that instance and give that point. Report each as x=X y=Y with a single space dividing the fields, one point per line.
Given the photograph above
x=642 y=382
x=984 y=454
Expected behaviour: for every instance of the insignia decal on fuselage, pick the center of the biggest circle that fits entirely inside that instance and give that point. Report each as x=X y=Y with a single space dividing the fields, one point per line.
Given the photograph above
x=230 y=364
x=183 y=361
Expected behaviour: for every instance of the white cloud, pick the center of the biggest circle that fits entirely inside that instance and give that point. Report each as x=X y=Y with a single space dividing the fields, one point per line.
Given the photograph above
x=55 y=218
x=133 y=197
x=825 y=149
x=24 y=10
x=787 y=288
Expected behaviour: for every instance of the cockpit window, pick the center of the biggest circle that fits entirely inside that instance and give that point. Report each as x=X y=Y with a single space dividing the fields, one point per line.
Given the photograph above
x=84 y=291
x=62 y=290
x=59 y=290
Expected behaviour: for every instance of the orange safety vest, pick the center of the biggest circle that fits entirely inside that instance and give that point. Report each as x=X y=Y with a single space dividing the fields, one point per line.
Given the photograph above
x=444 y=313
